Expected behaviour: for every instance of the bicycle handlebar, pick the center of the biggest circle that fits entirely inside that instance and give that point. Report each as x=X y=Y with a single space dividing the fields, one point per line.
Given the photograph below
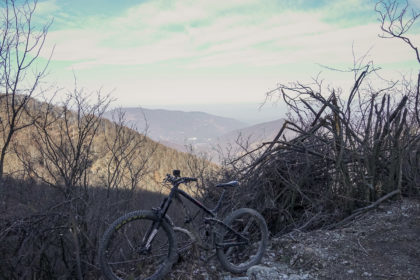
x=189 y=179
x=179 y=180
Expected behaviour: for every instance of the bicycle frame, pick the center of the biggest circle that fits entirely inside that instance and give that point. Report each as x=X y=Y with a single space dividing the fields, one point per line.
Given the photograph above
x=164 y=207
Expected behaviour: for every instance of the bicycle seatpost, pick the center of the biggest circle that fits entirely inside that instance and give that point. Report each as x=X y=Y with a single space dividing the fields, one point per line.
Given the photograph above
x=219 y=203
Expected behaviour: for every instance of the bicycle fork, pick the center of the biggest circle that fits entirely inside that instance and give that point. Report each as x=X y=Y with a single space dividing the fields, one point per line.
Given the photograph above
x=154 y=228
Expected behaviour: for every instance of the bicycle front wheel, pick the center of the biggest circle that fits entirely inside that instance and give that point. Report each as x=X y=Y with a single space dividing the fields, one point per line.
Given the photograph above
x=244 y=244
x=121 y=255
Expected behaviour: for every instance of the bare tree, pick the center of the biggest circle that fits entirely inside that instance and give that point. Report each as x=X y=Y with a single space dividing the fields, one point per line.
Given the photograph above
x=64 y=139
x=20 y=46
x=127 y=154
x=396 y=19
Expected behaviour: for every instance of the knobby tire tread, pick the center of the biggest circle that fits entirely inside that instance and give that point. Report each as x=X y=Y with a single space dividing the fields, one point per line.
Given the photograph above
x=261 y=250
x=140 y=214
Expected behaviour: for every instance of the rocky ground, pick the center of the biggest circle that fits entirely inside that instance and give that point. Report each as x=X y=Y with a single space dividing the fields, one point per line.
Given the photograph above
x=384 y=243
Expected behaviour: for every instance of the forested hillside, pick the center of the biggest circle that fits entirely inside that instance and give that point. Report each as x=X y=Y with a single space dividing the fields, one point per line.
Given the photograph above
x=76 y=148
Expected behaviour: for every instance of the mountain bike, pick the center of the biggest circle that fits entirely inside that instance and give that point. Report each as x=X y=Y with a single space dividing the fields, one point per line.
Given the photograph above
x=143 y=244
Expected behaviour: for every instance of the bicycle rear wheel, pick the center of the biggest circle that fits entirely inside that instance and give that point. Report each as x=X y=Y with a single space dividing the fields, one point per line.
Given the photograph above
x=121 y=255
x=236 y=254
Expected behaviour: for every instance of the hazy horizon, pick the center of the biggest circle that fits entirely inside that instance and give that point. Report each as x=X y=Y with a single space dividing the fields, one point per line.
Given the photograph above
x=249 y=113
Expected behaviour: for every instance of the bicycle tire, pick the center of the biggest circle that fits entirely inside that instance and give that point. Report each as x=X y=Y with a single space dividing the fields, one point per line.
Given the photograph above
x=250 y=223
x=119 y=254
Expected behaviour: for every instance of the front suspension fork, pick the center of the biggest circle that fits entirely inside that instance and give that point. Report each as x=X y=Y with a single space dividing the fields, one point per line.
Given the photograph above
x=152 y=231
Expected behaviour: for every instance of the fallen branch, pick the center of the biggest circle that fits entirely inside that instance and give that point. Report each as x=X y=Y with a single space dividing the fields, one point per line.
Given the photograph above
x=362 y=210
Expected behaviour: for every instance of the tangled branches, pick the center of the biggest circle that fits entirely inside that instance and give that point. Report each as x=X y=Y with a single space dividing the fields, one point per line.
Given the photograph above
x=341 y=157
x=338 y=152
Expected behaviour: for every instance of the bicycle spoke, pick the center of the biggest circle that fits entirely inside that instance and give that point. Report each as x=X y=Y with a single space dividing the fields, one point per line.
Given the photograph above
x=244 y=244
x=124 y=256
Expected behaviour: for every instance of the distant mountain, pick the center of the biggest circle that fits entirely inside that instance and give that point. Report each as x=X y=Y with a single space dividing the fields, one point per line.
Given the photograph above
x=248 y=112
x=249 y=137
x=177 y=128
x=204 y=132
x=254 y=134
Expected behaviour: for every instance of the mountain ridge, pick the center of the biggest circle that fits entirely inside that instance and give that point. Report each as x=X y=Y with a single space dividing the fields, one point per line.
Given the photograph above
x=177 y=126
x=201 y=131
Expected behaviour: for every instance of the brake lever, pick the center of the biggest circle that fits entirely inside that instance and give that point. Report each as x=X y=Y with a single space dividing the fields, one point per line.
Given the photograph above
x=167 y=178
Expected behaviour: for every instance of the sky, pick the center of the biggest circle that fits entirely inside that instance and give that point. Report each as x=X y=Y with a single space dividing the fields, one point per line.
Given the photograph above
x=162 y=53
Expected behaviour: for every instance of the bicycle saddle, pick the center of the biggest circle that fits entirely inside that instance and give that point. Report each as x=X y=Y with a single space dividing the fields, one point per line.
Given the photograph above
x=228 y=184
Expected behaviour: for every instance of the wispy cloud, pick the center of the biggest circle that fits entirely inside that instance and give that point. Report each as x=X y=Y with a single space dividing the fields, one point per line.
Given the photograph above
x=192 y=36
x=152 y=32
x=47 y=7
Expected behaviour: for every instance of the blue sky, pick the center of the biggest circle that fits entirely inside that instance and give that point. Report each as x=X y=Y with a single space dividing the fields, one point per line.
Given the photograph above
x=164 y=52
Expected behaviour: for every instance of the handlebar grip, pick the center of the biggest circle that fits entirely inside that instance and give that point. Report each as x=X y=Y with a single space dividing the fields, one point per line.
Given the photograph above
x=190 y=179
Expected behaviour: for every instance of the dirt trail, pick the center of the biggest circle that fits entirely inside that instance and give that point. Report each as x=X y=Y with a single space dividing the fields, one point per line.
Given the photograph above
x=382 y=244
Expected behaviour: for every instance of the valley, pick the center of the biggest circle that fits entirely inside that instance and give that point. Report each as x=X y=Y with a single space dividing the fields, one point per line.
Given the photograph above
x=198 y=132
